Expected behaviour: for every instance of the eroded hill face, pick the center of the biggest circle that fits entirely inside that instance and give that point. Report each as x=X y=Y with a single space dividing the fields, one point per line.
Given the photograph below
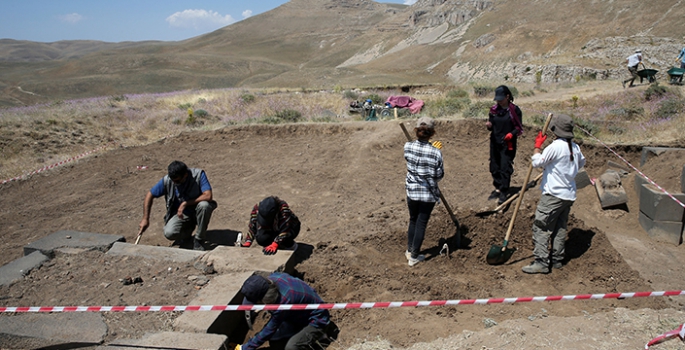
x=322 y=44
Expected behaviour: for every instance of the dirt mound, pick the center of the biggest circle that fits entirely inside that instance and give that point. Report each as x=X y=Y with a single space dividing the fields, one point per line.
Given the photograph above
x=346 y=183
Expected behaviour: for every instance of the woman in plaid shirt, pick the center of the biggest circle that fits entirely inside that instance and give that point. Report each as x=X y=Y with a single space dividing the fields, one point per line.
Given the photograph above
x=424 y=170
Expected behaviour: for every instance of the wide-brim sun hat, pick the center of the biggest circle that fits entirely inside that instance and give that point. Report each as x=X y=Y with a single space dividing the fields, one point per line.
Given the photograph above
x=562 y=126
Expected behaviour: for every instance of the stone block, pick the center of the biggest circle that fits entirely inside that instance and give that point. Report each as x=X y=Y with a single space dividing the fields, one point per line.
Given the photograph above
x=223 y=290
x=174 y=254
x=662 y=231
x=582 y=179
x=639 y=181
x=610 y=191
x=17 y=269
x=74 y=240
x=227 y=259
x=52 y=330
x=173 y=340
x=623 y=170
x=658 y=206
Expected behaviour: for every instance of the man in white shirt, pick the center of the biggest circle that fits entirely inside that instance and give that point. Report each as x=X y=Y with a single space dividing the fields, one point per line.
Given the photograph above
x=561 y=161
x=633 y=61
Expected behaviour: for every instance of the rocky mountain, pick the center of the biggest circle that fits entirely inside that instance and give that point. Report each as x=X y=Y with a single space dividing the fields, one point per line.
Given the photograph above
x=352 y=43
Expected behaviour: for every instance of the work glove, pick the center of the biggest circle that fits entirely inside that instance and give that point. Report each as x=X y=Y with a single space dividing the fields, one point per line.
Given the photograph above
x=540 y=139
x=508 y=137
x=247 y=243
x=271 y=249
x=437 y=144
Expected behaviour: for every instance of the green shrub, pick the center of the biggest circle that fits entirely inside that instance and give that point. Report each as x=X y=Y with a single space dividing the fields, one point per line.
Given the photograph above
x=479 y=109
x=655 y=91
x=457 y=93
x=514 y=91
x=185 y=106
x=528 y=93
x=668 y=108
x=375 y=99
x=483 y=91
x=247 y=98
x=447 y=106
x=588 y=125
x=626 y=113
x=201 y=113
x=324 y=119
x=349 y=94
x=283 y=116
x=119 y=98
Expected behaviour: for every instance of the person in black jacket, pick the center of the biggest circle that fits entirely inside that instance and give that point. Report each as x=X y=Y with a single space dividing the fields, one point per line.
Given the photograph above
x=505 y=125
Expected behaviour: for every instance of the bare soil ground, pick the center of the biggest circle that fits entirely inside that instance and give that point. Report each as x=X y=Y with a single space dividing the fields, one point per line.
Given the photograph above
x=346 y=183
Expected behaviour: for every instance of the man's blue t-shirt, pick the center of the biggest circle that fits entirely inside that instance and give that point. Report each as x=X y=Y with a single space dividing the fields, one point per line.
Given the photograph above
x=159 y=190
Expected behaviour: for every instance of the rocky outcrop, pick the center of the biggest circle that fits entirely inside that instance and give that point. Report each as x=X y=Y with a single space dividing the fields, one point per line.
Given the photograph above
x=436 y=12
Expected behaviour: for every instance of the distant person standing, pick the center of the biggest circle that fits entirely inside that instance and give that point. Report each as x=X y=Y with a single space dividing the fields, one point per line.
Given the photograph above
x=505 y=125
x=189 y=203
x=681 y=58
x=424 y=170
x=632 y=62
x=561 y=161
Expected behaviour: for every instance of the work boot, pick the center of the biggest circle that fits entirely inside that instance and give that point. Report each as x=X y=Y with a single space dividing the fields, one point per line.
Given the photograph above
x=557 y=265
x=502 y=197
x=419 y=258
x=197 y=244
x=535 y=267
x=494 y=195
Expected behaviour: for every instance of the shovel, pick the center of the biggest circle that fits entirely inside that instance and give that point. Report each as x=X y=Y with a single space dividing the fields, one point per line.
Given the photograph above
x=442 y=198
x=499 y=255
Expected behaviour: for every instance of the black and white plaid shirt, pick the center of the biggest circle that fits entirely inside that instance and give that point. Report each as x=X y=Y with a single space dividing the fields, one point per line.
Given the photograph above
x=424 y=170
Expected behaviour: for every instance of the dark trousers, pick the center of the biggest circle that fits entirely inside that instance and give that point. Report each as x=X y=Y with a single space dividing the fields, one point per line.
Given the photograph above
x=419 y=213
x=308 y=338
x=501 y=165
x=633 y=75
x=265 y=238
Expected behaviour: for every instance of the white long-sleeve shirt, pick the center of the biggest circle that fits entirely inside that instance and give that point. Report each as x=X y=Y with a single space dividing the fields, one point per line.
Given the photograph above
x=559 y=175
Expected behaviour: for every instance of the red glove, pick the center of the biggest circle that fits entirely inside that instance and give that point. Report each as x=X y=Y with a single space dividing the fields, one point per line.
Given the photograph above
x=508 y=137
x=271 y=249
x=510 y=146
x=540 y=139
x=246 y=244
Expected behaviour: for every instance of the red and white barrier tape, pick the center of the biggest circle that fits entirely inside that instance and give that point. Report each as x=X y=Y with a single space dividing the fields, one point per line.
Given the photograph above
x=634 y=168
x=679 y=332
x=54 y=165
x=370 y=305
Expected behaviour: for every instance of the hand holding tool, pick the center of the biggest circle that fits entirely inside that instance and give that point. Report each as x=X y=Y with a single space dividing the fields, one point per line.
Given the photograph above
x=540 y=139
x=271 y=249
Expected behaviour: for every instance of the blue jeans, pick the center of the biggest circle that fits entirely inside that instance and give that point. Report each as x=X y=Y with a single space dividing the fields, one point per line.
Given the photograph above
x=419 y=213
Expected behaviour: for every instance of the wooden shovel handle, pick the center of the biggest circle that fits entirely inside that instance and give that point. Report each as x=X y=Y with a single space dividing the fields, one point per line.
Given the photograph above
x=515 y=195
x=523 y=189
x=140 y=234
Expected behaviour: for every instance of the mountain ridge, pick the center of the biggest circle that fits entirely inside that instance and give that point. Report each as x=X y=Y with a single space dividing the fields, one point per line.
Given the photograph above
x=325 y=43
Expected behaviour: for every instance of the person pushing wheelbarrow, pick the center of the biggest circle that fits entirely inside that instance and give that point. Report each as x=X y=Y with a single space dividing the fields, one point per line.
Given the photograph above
x=633 y=61
x=561 y=161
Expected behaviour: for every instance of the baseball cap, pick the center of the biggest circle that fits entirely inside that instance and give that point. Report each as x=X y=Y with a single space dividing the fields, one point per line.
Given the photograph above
x=254 y=288
x=501 y=93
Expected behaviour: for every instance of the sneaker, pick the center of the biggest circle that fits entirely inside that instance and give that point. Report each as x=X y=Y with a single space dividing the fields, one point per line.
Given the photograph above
x=418 y=259
x=557 y=265
x=197 y=245
x=494 y=195
x=535 y=267
x=407 y=254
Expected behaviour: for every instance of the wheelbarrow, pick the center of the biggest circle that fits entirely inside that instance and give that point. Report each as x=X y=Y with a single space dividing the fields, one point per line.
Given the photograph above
x=675 y=75
x=649 y=74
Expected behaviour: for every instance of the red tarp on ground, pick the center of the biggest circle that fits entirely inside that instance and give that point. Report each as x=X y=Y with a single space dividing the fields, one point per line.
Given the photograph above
x=413 y=104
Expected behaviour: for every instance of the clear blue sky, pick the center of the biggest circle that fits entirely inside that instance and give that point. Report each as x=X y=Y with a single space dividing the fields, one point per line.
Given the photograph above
x=125 y=20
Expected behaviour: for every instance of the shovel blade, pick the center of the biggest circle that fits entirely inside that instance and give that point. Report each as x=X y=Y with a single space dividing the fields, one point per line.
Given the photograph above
x=499 y=255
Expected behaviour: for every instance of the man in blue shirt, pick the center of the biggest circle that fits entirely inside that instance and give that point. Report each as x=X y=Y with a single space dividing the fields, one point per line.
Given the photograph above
x=288 y=329
x=189 y=203
x=681 y=58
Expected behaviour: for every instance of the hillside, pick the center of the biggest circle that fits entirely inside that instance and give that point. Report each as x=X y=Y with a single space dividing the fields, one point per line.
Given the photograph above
x=319 y=44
